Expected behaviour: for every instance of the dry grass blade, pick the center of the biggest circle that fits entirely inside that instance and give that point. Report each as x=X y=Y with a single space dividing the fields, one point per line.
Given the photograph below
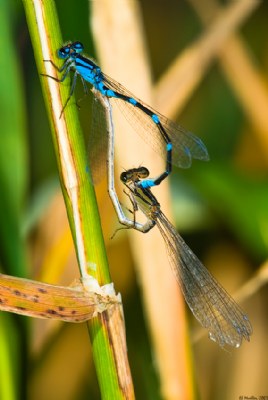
x=246 y=81
x=187 y=71
x=42 y=300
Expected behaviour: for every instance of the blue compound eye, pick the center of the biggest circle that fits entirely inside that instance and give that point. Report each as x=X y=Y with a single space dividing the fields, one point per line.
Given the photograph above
x=63 y=52
x=78 y=47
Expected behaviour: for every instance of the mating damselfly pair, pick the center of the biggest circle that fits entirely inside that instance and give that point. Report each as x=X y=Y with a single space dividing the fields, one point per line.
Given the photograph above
x=213 y=307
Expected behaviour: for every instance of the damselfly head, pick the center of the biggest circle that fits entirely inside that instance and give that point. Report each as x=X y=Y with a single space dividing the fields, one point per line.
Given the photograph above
x=70 y=48
x=134 y=174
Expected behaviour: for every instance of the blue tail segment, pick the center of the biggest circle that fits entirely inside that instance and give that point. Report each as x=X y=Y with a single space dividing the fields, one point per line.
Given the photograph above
x=148 y=183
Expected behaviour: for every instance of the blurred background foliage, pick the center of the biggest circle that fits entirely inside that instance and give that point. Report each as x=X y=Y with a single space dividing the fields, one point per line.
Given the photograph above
x=221 y=208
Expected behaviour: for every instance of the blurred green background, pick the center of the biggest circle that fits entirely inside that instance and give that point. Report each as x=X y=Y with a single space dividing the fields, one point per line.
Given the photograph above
x=225 y=199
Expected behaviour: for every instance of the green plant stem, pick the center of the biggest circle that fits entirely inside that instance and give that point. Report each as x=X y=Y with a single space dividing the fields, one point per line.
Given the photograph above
x=109 y=354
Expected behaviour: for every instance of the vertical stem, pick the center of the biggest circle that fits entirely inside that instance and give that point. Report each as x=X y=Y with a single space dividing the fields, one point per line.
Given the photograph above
x=105 y=330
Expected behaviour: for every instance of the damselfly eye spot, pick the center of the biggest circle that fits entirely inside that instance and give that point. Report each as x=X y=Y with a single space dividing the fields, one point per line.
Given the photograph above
x=77 y=46
x=63 y=52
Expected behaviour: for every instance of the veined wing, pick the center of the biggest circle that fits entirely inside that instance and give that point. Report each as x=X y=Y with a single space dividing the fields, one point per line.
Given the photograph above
x=212 y=306
x=185 y=144
x=98 y=141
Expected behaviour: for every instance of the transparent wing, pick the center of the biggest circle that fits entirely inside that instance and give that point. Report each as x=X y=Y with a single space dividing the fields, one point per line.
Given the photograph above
x=185 y=145
x=98 y=142
x=212 y=306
